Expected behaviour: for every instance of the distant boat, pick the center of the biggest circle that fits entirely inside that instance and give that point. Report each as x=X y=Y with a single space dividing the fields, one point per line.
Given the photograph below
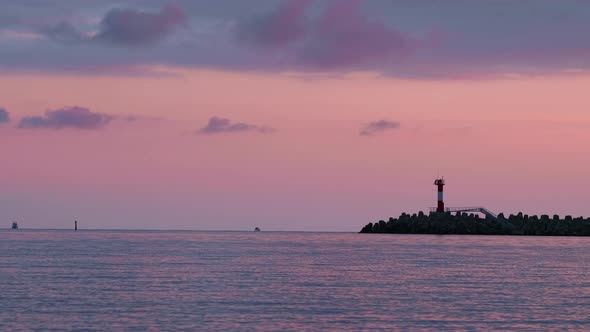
x=257 y=229
x=14 y=225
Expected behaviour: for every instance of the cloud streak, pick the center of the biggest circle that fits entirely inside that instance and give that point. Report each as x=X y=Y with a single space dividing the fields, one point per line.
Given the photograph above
x=63 y=32
x=217 y=125
x=377 y=127
x=67 y=117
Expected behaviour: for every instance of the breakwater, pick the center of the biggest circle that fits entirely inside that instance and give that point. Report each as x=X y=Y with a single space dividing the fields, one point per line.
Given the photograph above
x=473 y=224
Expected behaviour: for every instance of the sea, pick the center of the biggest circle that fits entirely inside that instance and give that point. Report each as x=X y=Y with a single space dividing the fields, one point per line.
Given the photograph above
x=58 y=280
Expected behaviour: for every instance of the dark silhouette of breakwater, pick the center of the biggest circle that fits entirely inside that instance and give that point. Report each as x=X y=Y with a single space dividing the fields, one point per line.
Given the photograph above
x=473 y=224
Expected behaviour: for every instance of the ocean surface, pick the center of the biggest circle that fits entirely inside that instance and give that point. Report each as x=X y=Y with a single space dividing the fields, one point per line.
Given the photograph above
x=264 y=281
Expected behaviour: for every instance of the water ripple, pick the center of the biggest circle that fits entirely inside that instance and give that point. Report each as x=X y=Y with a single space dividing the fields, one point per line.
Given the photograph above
x=169 y=281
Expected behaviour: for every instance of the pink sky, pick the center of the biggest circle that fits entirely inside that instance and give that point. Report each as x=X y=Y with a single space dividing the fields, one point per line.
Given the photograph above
x=509 y=144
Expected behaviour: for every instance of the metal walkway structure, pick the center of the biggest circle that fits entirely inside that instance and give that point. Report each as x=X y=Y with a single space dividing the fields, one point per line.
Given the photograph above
x=476 y=209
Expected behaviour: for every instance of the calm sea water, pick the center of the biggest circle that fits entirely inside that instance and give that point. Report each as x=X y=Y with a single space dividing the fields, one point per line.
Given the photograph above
x=226 y=281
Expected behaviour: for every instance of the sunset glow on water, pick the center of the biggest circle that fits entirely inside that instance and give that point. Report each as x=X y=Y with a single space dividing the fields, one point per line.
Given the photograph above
x=125 y=280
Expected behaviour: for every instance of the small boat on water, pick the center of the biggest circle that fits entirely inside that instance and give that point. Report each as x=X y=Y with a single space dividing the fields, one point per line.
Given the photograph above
x=257 y=229
x=14 y=225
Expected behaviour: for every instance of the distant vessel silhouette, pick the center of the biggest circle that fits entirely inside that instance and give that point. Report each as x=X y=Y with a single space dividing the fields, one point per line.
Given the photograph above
x=257 y=229
x=14 y=225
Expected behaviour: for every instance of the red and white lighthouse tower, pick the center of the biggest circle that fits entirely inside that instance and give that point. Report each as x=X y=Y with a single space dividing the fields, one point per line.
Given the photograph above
x=440 y=183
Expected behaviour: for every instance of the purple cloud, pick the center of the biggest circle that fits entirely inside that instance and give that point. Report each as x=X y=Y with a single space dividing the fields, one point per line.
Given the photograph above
x=380 y=126
x=279 y=28
x=340 y=37
x=119 y=26
x=4 y=115
x=218 y=125
x=67 y=117
x=134 y=27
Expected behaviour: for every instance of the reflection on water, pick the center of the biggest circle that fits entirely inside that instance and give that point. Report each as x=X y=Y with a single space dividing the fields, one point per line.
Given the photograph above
x=98 y=280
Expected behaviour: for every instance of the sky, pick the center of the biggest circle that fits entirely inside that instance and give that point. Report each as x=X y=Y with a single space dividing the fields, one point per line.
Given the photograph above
x=305 y=115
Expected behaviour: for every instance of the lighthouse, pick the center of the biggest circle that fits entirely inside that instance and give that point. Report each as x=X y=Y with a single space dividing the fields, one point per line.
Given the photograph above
x=440 y=183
